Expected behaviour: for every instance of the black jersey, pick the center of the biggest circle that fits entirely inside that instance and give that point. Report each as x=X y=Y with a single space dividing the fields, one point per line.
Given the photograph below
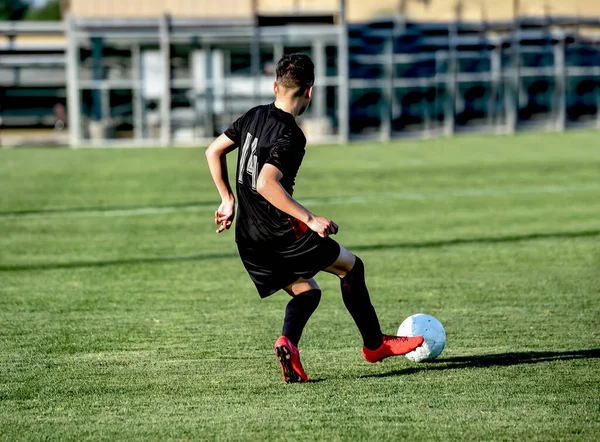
x=266 y=134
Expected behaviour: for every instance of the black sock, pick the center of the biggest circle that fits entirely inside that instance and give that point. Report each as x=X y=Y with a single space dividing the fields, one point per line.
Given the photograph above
x=357 y=301
x=297 y=313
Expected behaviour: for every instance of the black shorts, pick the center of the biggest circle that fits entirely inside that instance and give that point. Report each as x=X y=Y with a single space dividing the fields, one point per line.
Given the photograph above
x=273 y=268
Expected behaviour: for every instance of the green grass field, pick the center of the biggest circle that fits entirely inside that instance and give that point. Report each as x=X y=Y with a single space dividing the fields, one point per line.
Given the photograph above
x=123 y=316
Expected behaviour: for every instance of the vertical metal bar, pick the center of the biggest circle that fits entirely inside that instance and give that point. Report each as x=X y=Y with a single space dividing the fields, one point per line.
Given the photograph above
x=388 y=90
x=400 y=29
x=319 y=94
x=277 y=52
x=451 y=83
x=436 y=83
x=165 y=101
x=209 y=85
x=138 y=105
x=597 y=72
x=105 y=111
x=73 y=91
x=512 y=89
x=426 y=107
x=343 y=108
x=560 y=84
x=495 y=79
x=98 y=77
x=17 y=75
x=2 y=100
x=255 y=56
x=227 y=101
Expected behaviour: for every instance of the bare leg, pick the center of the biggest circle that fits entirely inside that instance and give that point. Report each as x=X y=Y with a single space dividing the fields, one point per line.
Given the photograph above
x=343 y=264
x=301 y=285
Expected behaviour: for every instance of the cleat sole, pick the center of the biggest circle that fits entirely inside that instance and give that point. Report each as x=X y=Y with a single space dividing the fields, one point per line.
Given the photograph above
x=285 y=360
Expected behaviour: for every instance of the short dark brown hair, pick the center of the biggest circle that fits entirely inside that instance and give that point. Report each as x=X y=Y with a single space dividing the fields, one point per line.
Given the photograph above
x=296 y=71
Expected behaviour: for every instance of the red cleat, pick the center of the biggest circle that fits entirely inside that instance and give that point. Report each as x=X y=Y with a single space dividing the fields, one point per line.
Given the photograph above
x=392 y=346
x=289 y=359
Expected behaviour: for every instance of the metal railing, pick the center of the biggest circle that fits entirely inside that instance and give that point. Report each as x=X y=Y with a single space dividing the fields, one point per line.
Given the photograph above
x=171 y=81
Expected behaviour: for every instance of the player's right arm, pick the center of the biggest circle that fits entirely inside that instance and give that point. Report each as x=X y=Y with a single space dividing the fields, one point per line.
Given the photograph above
x=269 y=187
x=217 y=163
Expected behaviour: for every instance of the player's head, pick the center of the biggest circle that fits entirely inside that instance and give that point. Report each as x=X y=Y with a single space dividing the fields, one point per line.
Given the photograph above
x=295 y=78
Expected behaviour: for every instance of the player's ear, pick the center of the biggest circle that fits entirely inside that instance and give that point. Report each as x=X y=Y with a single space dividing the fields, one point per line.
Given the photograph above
x=309 y=92
x=275 y=87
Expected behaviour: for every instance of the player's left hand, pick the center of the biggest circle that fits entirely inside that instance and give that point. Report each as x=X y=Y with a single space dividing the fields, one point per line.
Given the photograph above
x=224 y=215
x=322 y=226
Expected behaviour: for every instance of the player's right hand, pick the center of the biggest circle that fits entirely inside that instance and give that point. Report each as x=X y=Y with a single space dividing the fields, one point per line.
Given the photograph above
x=322 y=226
x=224 y=215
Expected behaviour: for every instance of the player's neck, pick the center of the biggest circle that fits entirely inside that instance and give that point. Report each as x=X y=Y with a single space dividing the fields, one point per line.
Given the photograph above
x=288 y=106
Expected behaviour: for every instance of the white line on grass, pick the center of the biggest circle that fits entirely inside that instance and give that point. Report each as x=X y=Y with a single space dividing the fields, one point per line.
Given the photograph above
x=398 y=196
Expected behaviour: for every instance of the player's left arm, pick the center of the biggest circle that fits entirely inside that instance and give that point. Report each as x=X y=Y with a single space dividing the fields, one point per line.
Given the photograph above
x=217 y=163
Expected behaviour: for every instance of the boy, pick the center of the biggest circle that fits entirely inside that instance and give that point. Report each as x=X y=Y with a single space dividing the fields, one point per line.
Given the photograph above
x=282 y=245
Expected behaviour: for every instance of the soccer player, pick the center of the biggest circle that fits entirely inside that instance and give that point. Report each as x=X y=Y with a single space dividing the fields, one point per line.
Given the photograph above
x=283 y=245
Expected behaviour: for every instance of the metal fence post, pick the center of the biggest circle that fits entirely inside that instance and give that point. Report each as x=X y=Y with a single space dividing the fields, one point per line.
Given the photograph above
x=343 y=107
x=388 y=89
x=209 y=91
x=73 y=91
x=512 y=86
x=165 y=101
x=138 y=104
x=319 y=105
x=451 y=83
x=495 y=81
x=255 y=62
x=597 y=72
x=560 y=84
x=277 y=52
x=98 y=95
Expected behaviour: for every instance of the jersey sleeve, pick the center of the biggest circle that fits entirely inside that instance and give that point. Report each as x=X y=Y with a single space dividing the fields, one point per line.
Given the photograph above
x=283 y=155
x=233 y=131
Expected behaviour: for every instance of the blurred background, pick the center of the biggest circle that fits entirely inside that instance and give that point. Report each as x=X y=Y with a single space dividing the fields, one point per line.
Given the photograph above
x=177 y=72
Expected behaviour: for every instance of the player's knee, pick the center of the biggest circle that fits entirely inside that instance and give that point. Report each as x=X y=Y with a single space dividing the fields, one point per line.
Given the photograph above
x=354 y=281
x=358 y=269
x=314 y=294
x=354 y=270
x=306 y=301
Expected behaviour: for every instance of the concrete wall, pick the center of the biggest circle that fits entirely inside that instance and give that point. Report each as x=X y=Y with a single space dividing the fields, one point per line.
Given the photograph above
x=358 y=10
x=286 y=6
x=154 y=8
x=194 y=8
x=470 y=10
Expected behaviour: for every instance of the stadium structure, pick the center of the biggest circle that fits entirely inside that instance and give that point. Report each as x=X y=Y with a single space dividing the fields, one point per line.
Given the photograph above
x=170 y=72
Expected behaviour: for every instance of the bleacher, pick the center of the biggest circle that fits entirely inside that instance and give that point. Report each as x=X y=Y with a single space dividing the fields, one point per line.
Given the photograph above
x=32 y=81
x=406 y=70
x=433 y=70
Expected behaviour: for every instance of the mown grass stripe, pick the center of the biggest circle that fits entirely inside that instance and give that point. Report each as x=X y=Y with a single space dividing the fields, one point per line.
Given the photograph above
x=399 y=196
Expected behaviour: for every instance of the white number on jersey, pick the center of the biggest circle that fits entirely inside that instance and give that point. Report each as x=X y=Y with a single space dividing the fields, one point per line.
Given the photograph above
x=249 y=160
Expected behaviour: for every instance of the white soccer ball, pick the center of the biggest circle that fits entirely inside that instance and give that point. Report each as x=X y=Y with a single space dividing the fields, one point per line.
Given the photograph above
x=432 y=331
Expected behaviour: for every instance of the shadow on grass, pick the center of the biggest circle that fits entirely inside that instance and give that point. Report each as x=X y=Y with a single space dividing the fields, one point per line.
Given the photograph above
x=483 y=240
x=493 y=360
x=368 y=247
x=107 y=209
x=114 y=262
